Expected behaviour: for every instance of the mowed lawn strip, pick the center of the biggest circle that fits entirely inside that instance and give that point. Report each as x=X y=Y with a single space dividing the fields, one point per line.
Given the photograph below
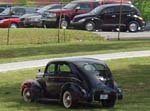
x=131 y=74
x=13 y=53
x=38 y=43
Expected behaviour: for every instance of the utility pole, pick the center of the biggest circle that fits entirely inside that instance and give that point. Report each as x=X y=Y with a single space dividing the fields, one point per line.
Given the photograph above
x=120 y=17
x=59 y=24
x=8 y=31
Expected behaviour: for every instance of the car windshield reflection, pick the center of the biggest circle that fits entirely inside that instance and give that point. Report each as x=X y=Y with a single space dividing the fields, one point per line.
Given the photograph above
x=70 y=6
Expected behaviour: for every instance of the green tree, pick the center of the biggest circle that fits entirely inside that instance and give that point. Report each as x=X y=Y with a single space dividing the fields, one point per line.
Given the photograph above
x=144 y=7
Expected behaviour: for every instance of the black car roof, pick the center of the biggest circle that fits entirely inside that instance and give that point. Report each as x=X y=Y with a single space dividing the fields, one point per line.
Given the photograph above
x=116 y=4
x=78 y=59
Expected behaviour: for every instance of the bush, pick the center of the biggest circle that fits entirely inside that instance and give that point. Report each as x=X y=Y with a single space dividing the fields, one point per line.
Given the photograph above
x=144 y=7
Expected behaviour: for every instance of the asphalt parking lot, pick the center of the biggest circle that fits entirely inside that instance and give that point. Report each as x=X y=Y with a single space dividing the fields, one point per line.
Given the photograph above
x=125 y=35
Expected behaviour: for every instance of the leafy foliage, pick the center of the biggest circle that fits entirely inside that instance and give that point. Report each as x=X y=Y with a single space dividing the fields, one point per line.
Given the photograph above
x=144 y=7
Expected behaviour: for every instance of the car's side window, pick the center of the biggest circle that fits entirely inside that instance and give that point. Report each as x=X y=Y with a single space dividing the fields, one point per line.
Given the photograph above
x=108 y=10
x=117 y=9
x=84 y=6
x=19 y=11
x=51 y=69
x=64 y=69
x=56 y=7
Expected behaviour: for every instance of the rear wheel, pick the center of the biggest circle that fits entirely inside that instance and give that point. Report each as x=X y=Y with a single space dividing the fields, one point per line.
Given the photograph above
x=89 y=26
x=68 y=99
x=133 y=26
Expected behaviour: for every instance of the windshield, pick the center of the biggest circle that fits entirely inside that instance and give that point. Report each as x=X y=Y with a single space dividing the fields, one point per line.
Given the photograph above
x=70 y=6
x=41 y=10
x=97 y=10
x=6 y=11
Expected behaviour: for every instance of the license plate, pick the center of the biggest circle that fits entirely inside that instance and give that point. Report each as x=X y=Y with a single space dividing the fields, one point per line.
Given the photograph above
x=104 y=96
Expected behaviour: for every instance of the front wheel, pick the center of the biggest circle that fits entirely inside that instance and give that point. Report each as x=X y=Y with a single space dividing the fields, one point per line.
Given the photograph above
x=27 y=95
x=89 y=26
x=133 y=26
x=64 y=24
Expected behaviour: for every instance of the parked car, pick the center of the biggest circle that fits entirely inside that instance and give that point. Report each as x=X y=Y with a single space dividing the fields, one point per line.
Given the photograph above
x=73 y=80
x=34 y=19
x=10 y=23
x=52 y=17
x=107 y=17
x=4 y=6
x=16 y=11
x=2 y=9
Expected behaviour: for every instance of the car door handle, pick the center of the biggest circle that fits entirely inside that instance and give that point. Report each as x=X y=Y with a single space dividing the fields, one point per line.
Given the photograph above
x=113 y=16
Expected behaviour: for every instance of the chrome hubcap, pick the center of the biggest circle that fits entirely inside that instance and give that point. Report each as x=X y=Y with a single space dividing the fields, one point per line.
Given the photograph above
x=67 y=99
x=133 y=27
x=13 y=26
x=64 y=24
x=27 y=96
x=89 y=27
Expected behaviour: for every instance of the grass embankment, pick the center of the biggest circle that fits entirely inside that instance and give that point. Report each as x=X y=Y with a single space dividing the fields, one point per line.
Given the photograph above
x=24 y=36
x=29 y=44
x=131 y=74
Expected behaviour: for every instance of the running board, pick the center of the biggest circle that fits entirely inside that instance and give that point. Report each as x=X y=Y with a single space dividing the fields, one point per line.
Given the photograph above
x=49 y=100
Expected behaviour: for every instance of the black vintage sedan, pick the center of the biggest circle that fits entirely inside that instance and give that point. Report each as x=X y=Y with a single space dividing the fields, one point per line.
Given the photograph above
x=108 y=17
x=73 y=80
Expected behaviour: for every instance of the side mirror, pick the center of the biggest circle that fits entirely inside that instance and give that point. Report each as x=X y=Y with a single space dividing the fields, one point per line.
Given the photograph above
x=77 y=8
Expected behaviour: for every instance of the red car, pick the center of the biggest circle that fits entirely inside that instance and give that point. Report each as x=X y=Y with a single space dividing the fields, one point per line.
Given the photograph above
x=10 y=23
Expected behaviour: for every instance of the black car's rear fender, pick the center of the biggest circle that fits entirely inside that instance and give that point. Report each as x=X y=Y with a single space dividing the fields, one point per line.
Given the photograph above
x=78 y=91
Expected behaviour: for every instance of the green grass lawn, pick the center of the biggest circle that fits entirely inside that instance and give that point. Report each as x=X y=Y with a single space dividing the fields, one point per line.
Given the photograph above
x=131 y=74
x=13 y=53
x=29 y=44
x=25 y=36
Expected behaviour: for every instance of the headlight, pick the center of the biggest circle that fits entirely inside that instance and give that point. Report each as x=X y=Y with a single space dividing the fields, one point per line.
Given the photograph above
x=82 y=20
x=51 y=15
x=138 y=17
